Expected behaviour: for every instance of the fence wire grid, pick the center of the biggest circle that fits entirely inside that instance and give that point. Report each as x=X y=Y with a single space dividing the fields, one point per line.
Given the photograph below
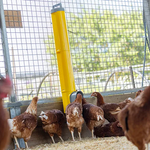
x=106 y=41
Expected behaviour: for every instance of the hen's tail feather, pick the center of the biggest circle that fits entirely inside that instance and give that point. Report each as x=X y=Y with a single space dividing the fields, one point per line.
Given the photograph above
x=32 y=108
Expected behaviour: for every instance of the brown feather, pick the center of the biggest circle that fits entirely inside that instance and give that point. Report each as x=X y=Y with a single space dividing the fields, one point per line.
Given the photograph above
x=54 y=123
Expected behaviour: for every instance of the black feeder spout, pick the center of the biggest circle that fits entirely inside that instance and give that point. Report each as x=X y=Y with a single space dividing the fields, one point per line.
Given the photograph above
x=74 y=94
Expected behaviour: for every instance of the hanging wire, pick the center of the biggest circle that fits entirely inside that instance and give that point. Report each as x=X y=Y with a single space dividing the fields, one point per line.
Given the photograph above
x=144 y=50
x=146 y=42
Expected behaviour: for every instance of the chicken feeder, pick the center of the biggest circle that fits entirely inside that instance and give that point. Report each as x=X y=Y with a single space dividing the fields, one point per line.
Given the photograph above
x=73 y=95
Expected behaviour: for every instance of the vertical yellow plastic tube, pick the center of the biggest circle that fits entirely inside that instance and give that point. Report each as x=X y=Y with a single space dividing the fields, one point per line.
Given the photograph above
x=63 y=53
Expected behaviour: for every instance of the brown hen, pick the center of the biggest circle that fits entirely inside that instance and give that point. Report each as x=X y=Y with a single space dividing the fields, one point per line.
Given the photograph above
x=93 y=115
x=5 y=88
x=53 y=121
x=22 y=126
x=135 y=120
x=74 y=116
x=110 y=109
x=108 y=130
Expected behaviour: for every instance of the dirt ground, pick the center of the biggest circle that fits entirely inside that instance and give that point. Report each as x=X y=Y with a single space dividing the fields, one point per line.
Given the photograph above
x=111 y=143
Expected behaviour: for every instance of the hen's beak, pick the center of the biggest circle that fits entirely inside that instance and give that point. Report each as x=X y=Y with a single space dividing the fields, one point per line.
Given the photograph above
x=93 y=96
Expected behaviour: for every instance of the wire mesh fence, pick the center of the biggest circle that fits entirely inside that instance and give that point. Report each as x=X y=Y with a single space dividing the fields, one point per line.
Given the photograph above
x=106 y=38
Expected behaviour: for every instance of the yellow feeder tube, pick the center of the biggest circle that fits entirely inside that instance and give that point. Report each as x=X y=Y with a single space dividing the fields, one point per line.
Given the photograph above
x=63 y=53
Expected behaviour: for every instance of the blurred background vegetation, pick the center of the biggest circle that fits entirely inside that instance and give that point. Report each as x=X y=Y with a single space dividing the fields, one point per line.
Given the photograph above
x=100 y=41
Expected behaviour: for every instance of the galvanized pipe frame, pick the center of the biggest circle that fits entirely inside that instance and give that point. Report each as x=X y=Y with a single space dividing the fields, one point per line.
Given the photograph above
x=15 y=110
x=146 y=20
x=131 y=73
x=59 y=99
x=5 y=47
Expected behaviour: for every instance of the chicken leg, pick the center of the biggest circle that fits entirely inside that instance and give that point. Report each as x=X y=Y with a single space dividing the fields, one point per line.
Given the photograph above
x=71 y=129
x=52 y=137
x=93 y=134
x=79 y=132
x=79 y=136
x=61 y=138
x=17 y=144
x=72 y=135
x=26 y=145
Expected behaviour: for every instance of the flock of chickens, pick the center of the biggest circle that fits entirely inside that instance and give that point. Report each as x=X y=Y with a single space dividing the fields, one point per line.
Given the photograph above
x=130 y=118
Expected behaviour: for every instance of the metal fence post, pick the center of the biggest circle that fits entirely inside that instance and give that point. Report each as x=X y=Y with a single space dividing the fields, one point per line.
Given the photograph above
x=5 y=47
x=16 y=110
x=146 y=19
x=132 y=76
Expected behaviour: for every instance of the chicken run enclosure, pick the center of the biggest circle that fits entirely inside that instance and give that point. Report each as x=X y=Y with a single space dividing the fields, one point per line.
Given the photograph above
x=109 y=46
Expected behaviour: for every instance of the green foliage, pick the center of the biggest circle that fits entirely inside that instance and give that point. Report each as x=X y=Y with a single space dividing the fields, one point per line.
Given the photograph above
x=104 y=40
